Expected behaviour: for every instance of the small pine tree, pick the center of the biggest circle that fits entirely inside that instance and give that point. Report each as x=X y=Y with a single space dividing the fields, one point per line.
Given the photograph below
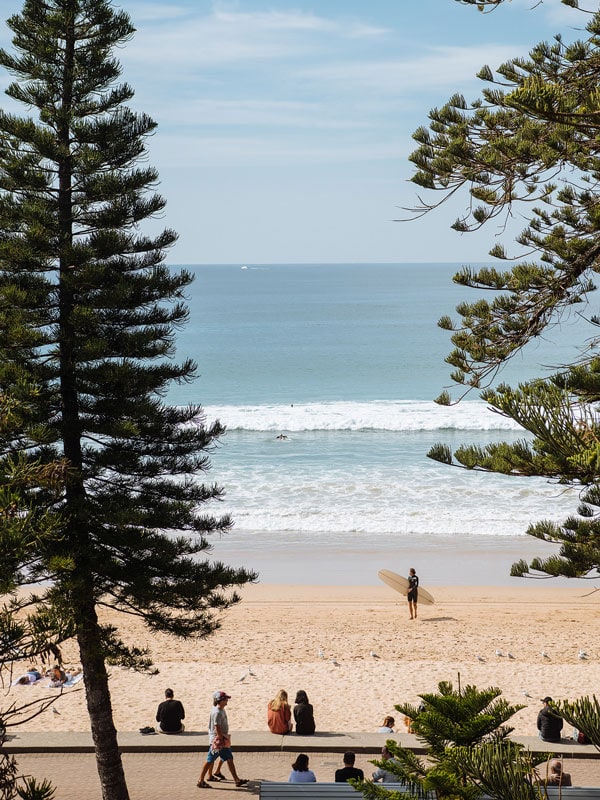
x=447 y=722
x=583 y=714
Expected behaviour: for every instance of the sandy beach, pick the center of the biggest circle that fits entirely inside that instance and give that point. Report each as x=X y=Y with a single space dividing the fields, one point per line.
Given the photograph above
x=278 y=631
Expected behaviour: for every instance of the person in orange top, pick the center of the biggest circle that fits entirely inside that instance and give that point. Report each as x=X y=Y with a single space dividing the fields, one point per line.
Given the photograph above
x=279 y=714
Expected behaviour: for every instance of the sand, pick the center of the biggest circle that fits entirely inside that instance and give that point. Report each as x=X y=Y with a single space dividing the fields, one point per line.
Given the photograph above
x=276 y=634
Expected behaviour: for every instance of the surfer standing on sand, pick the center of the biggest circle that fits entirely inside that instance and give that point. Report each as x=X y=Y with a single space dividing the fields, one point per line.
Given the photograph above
x=413 y=592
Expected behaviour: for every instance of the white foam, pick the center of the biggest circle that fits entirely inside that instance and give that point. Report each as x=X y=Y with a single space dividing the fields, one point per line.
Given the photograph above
x=407 y=415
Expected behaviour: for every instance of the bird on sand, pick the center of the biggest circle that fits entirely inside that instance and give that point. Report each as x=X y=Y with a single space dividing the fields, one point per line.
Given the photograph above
x=373 y=655
x=510 y=656
x=481 y=658
x=544 y=654
x=582 y=655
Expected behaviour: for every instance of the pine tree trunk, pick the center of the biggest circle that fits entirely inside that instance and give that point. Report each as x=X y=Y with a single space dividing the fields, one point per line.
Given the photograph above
x=104 y=734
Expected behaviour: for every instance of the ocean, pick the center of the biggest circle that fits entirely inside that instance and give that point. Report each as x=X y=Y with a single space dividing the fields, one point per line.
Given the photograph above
x=325 y=377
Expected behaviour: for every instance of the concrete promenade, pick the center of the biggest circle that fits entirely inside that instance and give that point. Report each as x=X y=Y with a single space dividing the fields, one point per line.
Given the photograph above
x=255 y=742
x=159 y=767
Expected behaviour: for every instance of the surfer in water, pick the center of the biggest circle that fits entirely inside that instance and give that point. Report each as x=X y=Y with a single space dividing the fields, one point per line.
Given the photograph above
x=413 y=592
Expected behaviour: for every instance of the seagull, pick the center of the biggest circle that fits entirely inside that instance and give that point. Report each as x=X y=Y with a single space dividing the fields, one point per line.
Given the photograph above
x=321 y=653
x=251 y=673
x=526 y=693
x=55 y=711
x=510 y=656
x=242 y=677
x=335 y=663
x=499 y=653
x=582 y=655
x=373 y=655
x=480 y=658
x=544 y=654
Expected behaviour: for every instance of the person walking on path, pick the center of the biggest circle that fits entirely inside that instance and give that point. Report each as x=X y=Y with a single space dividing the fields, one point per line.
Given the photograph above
x=413 y=592
x=169 y=714
x=219 y=745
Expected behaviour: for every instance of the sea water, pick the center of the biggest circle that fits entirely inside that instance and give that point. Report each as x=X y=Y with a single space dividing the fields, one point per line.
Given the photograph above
x=325 y=377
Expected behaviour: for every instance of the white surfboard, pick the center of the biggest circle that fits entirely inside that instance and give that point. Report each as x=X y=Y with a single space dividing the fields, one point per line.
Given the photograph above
x=401 y=584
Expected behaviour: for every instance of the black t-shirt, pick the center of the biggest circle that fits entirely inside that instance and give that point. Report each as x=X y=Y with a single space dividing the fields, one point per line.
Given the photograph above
x=304 y=718
x=169 y=715
x=342 y=775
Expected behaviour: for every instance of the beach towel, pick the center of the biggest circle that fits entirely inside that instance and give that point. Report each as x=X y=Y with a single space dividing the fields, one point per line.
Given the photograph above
x=73 y=679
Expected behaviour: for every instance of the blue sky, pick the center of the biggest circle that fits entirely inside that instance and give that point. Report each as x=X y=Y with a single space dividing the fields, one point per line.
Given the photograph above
x=285 y=125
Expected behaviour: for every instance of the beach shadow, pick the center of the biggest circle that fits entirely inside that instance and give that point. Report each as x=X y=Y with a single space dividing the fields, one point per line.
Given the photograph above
x=438 y=619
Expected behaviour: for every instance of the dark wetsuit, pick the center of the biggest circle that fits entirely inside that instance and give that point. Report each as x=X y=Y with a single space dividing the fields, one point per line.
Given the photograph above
x=413 y=589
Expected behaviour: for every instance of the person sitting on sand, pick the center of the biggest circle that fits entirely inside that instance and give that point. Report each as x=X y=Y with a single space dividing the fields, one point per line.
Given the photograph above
x=303 y=715
x=348 y=770
x=279 y=714
x=300 y=772
x=170 y=713
x=31 y=676
x=387 y=725
x=58 y=677
x=557 y=777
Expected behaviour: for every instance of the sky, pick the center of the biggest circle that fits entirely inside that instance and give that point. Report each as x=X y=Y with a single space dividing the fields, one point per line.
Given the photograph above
x=284 y=126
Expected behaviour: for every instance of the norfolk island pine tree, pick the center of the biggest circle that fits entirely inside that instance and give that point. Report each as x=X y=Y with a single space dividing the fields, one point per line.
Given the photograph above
x=89 y=316
x=529 y=145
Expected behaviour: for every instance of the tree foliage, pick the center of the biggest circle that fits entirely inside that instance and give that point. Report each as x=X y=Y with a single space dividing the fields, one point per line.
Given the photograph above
x=28 y=630
x=88 y=317
x=529 y=142
x=449 y=722
x=583 y=714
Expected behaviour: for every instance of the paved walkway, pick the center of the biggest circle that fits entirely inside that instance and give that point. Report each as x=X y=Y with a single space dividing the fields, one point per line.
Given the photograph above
x=168 y=766
x=156 y=776
x=255 y=741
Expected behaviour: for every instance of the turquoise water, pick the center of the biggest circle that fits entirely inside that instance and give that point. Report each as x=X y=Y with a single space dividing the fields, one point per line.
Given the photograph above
x=344 y=362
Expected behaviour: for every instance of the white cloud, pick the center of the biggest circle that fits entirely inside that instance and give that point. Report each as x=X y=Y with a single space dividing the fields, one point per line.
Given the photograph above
x=155 y=12
x=215 y=151
x=229 y=37
x=439 y=67
x=555 y=12
x=254 y=113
